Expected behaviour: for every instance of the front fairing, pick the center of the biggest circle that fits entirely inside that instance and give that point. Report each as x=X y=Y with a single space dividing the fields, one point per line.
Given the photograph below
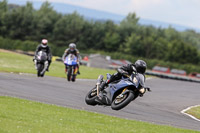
x=70 y=60
x=42 y=56
x=135 y=81
x=113 y=88
x=122 y=84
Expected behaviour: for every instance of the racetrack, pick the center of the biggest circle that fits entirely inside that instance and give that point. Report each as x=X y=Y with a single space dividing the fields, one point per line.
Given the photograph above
x=161 y=106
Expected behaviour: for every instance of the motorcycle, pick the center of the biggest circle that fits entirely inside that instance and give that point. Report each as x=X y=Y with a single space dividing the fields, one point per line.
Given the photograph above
x=41 y=63
x=71 y=67
x=117 y=94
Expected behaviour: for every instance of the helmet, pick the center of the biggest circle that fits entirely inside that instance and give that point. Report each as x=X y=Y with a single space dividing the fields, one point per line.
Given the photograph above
x=72 y=46
x=141 y=66
x=44 y=42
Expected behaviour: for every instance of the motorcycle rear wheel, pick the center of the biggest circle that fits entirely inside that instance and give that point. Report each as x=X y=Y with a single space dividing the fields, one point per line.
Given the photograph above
x=91 y=96
x=121 y=101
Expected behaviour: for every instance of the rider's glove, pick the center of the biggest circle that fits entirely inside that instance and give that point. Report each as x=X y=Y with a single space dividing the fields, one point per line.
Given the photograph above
x=148 y=89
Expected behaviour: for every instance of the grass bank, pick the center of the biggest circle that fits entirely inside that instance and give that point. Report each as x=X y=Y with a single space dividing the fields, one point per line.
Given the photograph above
x=18 y=63
x=17 y=115
x=195 y=111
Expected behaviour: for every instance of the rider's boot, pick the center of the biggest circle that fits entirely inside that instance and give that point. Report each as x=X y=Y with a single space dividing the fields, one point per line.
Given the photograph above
x=103 y=85
x=101 y=88
x=35 y=61
x=78 y=72
x=49 y=62
x=47 y=66
x=47 y=69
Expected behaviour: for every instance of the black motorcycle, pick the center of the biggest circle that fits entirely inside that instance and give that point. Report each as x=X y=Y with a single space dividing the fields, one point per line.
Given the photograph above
x=42 y=63
x=117 y=94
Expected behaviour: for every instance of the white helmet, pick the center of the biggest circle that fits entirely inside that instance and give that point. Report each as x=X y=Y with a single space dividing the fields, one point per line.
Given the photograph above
x=44 y=42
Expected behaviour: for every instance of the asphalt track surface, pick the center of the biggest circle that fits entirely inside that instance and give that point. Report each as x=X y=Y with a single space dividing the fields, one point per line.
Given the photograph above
x=161 y=106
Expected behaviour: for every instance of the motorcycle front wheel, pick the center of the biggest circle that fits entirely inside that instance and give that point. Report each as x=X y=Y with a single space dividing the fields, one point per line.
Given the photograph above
x=69 y=73
x=40 y=67
x=91 y=96
x=73 y=78
x=121 y=101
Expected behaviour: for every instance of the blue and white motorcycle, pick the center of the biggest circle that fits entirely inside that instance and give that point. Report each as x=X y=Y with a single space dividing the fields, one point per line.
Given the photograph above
x=117 y=94
x=71 y=67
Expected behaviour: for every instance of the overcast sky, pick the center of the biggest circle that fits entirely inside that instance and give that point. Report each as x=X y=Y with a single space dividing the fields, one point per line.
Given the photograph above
x=183 y=12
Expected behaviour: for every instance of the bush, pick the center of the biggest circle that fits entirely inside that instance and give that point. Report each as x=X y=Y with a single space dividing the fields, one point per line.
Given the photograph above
x=9 y=44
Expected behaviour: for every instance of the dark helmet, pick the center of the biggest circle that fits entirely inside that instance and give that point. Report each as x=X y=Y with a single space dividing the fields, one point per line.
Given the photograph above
x=72 y=46
x=141 y=66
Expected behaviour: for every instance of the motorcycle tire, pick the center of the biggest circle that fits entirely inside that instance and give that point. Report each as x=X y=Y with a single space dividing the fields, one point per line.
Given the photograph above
x=40 y=67
x=90 y=98
x=128 y=98
x=73 y=78
x=69 y=72
x=42 y=75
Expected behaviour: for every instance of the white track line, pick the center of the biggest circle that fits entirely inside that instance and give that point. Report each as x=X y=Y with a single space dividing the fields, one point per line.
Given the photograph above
x=149 y=78
x=183 y=112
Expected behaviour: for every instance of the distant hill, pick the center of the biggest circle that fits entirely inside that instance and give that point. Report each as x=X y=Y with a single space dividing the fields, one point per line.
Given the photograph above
x=101 y=15
x=12 y=6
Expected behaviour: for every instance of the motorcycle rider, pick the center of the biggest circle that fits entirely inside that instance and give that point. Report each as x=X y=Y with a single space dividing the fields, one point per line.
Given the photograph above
x=45 y=48
x=139 y=66
x=72 y=50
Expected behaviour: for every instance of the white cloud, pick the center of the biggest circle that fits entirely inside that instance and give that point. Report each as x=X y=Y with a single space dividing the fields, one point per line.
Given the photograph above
x=174 y=11
x=184 y=12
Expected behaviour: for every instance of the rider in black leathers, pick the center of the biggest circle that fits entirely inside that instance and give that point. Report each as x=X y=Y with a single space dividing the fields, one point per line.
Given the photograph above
x=72 y=50
x=45 y=48
x=139 y=67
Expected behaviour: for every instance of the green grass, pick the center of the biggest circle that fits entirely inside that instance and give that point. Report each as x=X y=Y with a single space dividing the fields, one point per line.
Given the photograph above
x=18 y=63
x=195 y=112
x=17 y=115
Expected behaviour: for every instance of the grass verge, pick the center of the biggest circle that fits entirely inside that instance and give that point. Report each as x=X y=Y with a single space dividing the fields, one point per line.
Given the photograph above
x=17 y=115
x=18 y=63
x=195 y=111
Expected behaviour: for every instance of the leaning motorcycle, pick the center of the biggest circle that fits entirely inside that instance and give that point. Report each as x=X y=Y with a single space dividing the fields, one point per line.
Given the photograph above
x=71 y=67
x=117 y=94
x=42 y=63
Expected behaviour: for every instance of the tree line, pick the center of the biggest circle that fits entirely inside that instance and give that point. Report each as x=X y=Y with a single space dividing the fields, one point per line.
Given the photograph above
x=28 y=26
